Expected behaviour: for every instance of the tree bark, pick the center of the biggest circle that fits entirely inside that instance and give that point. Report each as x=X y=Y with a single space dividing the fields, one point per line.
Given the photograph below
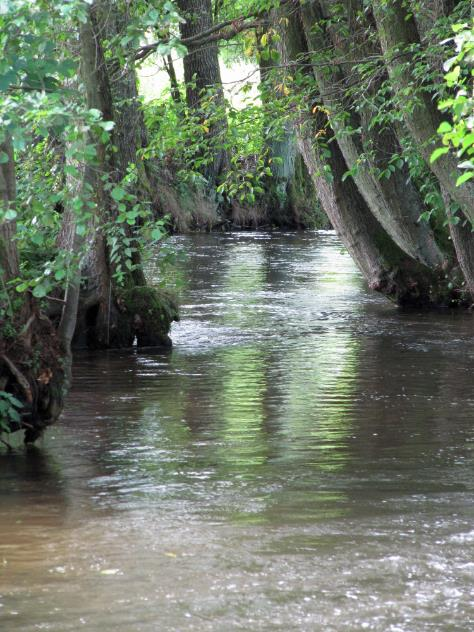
x=113 y=315
x=290 y=198
x=8 y=251
x=394 y=201
x=174 y=87
x=386 y=268
x=96 y=311
x=203 y=78
x=460 y=230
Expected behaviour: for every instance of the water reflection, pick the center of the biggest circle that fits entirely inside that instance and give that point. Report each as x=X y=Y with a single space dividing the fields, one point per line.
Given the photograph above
x=302 y=460
x=32 y=475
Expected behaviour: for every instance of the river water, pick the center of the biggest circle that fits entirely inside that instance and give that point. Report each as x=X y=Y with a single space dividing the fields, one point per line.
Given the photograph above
x=301 y=461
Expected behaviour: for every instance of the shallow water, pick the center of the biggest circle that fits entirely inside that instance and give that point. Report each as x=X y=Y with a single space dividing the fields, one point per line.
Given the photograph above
x=301 y=460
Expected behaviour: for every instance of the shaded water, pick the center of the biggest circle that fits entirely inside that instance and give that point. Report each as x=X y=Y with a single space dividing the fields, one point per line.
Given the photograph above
x=302 y=460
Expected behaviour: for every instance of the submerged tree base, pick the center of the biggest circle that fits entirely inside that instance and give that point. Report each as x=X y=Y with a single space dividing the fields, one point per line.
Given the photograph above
x=34 y=376
x=149 y=314
x=420 y=288
x=140 y=314
x=35 y=370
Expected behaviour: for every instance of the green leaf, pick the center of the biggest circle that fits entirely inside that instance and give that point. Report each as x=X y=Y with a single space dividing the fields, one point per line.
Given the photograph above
x=452 y=76
x=464 y=178
x=118 y=193
x=40 y=291
x=3 y=158
x=468 y=140
x=94 y=113
x=13 y=400
x=444 y=128
x=37 y=239
x=7 y=79
x=13 y=414
x=70 y=170
x=438 y=152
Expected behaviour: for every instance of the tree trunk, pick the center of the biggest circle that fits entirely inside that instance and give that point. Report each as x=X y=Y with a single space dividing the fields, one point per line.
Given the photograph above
x=460 y=230
x=8 y=252
x=386 y=268
x=290 y=198
x=395 y=200
x=174 y=87
x=113 y=315
x=129 y=134
x=203 y=83
x=32 y=361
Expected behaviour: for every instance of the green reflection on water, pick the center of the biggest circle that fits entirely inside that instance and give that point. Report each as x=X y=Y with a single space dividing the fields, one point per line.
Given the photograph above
x=241 y=406
x=252 y=415
x=320 y=389
x=245 y=275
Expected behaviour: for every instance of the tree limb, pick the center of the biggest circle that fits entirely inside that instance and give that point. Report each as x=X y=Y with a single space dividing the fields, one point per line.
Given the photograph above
x=223 y=31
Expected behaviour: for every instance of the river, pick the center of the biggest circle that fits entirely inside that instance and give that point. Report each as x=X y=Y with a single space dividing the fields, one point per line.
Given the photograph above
x=301 y=461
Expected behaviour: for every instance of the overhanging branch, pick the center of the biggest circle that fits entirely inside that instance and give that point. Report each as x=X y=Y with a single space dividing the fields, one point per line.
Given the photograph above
x=223 y=31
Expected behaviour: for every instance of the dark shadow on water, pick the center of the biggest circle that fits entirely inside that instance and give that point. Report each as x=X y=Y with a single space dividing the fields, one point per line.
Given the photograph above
x=32 y=473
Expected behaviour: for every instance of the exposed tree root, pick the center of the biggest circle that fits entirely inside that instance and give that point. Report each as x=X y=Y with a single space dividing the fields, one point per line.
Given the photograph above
x=21 y=379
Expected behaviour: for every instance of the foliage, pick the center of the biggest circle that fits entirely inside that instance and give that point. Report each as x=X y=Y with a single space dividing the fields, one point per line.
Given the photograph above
x=54 y=137
x=182 y=141
x=180 y=138
x=132 y=226
x=9 y=411
x=458 y=133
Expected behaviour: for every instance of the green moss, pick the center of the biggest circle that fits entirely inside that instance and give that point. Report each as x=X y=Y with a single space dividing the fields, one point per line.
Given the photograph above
x=149 y=313
x=304 y=199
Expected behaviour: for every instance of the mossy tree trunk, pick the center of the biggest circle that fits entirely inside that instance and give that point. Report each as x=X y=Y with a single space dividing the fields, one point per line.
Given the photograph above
x=108 y=318
x=385 y=266
x=367 y=148
x=400 y=42
x=8 y=253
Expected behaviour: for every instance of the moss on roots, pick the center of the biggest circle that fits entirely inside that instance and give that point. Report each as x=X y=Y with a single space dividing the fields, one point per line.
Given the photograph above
x=148 y=314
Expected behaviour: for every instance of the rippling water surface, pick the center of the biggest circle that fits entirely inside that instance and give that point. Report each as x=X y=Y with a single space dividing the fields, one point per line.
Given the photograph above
x=301 y=460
